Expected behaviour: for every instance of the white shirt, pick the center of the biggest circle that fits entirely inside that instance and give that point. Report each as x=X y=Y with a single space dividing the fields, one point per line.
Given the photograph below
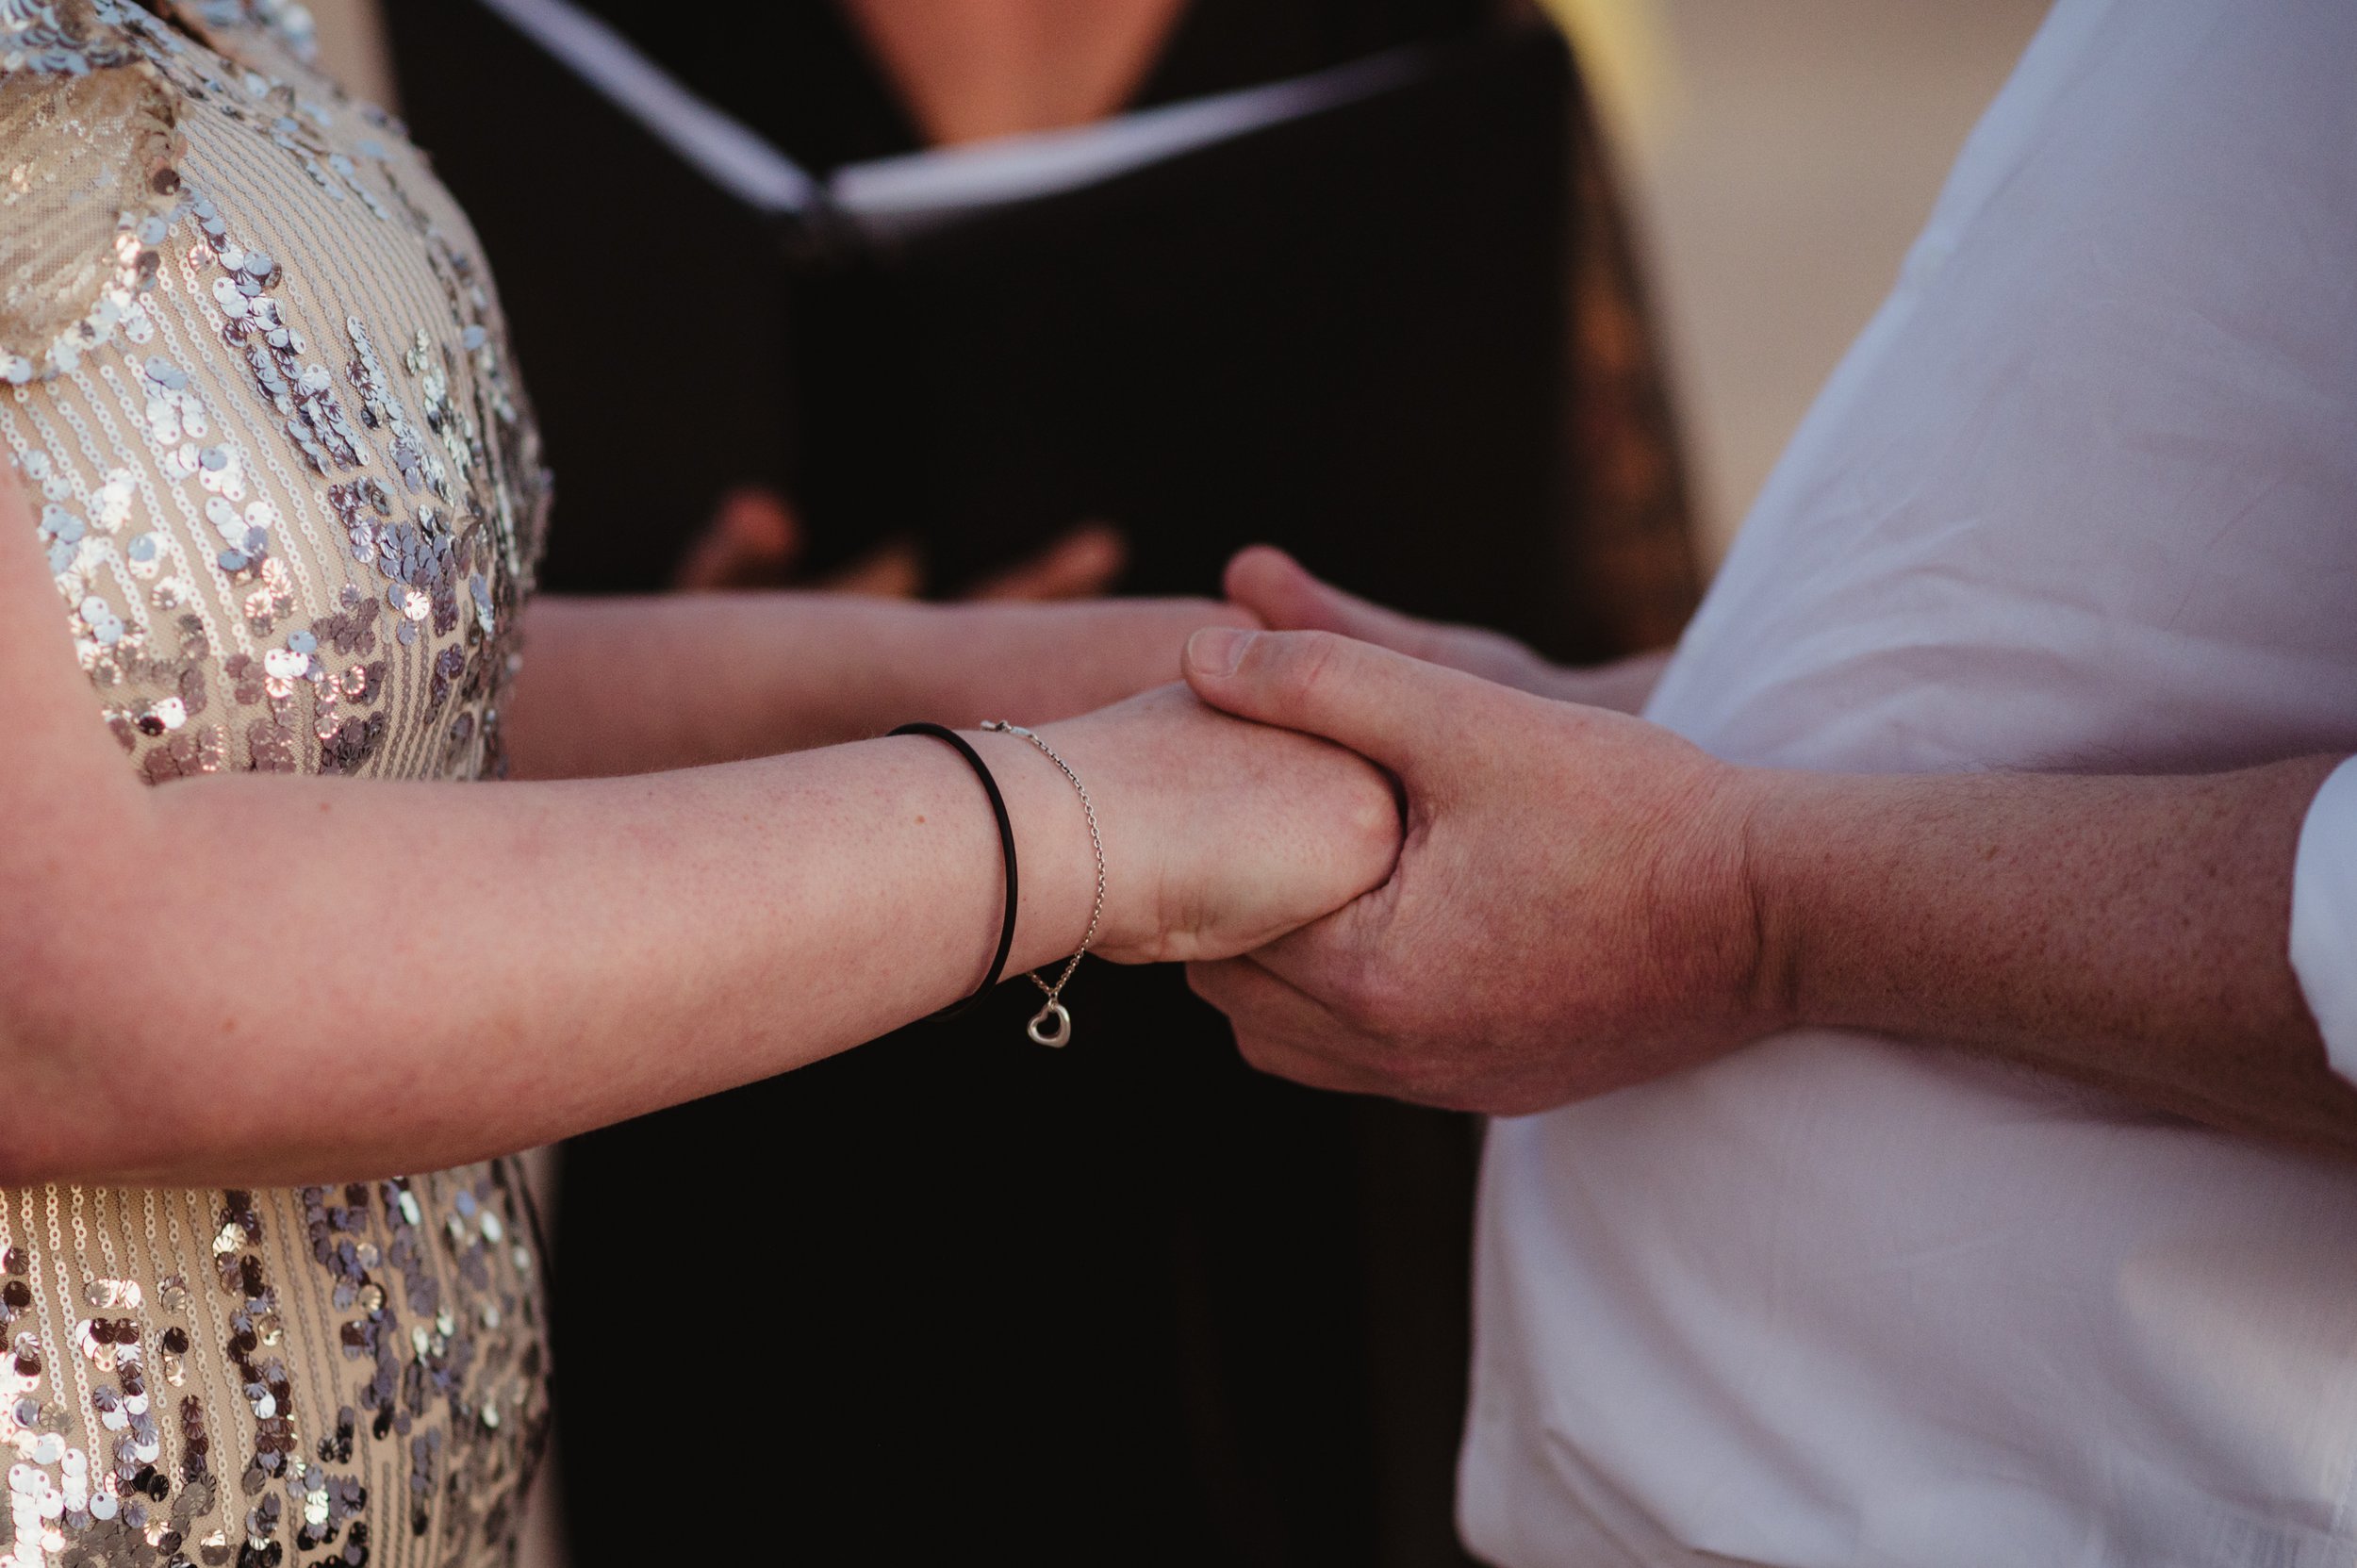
x=2082 y=495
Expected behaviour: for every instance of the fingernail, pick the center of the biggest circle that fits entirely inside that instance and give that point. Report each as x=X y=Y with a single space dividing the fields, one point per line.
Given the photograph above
x=1218 y=650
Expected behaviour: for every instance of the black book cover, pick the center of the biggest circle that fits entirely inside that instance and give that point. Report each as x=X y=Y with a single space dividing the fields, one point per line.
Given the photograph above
x=1339 y=329
x=1125 y=1303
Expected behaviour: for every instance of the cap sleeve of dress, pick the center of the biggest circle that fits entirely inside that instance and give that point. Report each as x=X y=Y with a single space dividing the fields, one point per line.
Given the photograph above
x=88 y=182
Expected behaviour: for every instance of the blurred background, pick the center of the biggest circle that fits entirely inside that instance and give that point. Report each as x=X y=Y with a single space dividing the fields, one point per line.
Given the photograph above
x=1493 y=328
x=1778 y=158
x=1780 y=164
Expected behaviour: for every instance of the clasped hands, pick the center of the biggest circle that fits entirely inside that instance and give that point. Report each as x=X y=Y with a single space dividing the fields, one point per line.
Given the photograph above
x=1565 y=909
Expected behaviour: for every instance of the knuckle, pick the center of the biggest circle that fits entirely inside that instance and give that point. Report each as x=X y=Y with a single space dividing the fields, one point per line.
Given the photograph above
x=1313 y=662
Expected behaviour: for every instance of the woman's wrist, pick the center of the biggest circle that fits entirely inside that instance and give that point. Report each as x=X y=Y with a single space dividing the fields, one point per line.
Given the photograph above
x=1057 y=864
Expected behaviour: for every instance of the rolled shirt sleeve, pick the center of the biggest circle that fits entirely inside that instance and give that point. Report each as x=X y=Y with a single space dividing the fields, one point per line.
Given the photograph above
x=2324 y=915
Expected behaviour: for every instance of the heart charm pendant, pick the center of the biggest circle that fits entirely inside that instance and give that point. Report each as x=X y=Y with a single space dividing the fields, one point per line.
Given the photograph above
x=1051 y=1026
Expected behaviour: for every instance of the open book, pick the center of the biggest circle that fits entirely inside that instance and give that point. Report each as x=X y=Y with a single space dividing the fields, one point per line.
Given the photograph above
x=1327 y=311
x=900 y=197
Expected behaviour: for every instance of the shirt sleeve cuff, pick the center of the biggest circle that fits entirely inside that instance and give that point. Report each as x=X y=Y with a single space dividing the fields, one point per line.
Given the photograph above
x=2324 y=915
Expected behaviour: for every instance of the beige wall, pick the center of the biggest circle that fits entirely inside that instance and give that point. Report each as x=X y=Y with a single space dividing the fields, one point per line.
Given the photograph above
x=1796 y=151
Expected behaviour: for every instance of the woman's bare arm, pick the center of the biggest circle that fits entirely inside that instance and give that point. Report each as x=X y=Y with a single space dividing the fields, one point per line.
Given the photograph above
x=262 y=980
x=631 y=686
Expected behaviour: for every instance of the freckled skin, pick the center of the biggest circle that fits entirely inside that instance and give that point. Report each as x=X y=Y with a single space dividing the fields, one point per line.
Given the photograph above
x=1585 y=902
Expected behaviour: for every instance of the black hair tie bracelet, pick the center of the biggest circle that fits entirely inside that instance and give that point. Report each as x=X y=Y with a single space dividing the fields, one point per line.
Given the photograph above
x=1006 y=846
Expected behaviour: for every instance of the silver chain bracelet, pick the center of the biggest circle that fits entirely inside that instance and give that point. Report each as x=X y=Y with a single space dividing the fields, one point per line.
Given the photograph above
x=1052 y=1026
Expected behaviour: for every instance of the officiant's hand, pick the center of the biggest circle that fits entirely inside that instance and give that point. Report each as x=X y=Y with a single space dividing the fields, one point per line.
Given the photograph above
x=756 y=539
x=1567 y=914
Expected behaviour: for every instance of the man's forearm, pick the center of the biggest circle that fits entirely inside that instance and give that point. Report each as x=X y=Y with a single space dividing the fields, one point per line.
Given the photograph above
x=2129 y=933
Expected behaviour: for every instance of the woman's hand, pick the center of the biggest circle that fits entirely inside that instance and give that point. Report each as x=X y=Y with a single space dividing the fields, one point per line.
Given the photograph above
x=1219 y=835
x=1281 y=592
x=1285 y=596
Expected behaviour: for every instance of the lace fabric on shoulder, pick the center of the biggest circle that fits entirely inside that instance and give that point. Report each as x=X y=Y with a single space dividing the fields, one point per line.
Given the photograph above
x=92 y=186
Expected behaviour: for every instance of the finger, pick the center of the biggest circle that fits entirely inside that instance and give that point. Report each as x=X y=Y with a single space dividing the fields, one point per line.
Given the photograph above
x=1283 y=1030
x=1386 y=706
x=1311 y=1071
x=1082 y=564
x=1283 y=593
x=1307 y=961
x=894 y=570
x=754 y=540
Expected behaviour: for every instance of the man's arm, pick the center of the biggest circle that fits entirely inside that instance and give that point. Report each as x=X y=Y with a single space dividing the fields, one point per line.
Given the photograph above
x=2130 y=932
x=1585 y=902
x=633 y=685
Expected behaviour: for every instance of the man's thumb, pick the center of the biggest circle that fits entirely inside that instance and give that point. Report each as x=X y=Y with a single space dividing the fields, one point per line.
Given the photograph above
x=1383 y=705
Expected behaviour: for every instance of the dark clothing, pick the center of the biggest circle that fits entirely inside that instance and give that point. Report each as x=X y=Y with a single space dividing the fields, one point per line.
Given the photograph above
x=1127 y=1303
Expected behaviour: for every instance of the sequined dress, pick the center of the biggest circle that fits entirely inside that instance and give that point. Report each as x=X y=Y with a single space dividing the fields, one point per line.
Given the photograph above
x=253 y=373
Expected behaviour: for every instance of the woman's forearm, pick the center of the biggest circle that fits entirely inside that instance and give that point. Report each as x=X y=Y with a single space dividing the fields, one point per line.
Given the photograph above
x=2130 y=932
x=318 y=979
x=255 y=979
x=632 y=686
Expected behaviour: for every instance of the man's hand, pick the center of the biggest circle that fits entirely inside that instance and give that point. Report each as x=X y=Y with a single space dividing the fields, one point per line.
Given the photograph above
x=1285 y=597
x=1584 y=901
x=1568 y=913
